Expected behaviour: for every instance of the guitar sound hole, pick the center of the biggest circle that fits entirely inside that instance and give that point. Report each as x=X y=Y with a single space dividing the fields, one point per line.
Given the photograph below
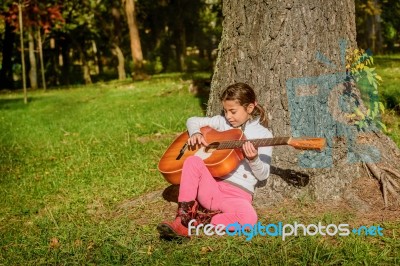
x=209 y=149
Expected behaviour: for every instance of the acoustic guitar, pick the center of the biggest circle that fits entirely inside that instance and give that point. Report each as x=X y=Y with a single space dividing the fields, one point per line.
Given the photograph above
x=223 y=154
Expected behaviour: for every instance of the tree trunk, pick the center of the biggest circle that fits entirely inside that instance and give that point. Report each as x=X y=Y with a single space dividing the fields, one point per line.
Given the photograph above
x=64 y=60
x=136 y=48
x=80 y=46
x=99 y=63
x=85 y=67
x=6 y=73
x=121 y=62
x=96 y=57
x=32 y=61
x=292 y=54
x=56 y=61
x=40 y=48
x=180 y=39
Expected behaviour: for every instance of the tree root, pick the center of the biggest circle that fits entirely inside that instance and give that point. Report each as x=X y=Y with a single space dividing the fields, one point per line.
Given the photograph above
x=388 y=184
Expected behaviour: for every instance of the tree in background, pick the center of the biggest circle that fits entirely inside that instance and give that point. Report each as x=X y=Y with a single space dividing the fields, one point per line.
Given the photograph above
x=391 y=24
x=378 y=24
x=75 y=39
x=117 y=41
x=368 y=21
x=169 y=28
x=94 y=42
x=113 y=39
x=102 y=39
x=136 y=47
x=36 y=17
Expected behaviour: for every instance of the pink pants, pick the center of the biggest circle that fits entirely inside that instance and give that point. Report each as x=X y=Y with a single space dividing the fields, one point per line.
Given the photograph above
x=198 y=184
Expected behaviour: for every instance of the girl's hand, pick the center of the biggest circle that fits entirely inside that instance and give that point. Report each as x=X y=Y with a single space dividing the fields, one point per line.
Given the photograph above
x=249 y=151
x=197 y=139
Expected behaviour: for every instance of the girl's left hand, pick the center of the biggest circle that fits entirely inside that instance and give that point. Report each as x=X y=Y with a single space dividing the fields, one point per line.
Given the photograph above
x=249 y=151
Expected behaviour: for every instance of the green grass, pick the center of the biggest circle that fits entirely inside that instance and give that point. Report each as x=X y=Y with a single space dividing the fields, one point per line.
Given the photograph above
x=70 y=157
x=388 y=67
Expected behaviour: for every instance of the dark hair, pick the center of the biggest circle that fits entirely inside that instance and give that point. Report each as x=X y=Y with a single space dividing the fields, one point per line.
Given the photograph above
x=245 y=95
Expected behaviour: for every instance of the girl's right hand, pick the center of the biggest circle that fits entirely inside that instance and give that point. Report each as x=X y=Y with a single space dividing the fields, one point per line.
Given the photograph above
x=197 y=139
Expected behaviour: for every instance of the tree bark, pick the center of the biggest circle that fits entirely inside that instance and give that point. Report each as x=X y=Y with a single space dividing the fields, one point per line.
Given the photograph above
x=136 y=48
x=292 y=54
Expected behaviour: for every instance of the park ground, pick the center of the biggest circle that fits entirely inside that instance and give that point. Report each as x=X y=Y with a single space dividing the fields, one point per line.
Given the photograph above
x=79 y=183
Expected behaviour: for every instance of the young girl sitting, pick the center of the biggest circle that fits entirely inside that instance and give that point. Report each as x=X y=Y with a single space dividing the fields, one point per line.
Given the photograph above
x=229 y=196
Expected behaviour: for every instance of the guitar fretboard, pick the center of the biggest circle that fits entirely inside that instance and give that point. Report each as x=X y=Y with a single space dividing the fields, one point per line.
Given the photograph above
x=235 y=144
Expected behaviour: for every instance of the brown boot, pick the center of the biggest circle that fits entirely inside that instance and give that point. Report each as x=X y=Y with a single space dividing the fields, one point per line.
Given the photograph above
x=179 y=227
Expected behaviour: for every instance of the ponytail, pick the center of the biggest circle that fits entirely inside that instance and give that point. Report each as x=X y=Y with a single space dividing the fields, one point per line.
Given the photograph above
x=259 y=111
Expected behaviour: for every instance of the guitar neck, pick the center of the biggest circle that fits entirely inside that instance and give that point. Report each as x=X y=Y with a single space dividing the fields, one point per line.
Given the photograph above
x=235 y=144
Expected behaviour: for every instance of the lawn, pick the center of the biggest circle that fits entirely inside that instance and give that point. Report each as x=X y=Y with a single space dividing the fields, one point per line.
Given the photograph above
x=389 y=92
x=72 y=158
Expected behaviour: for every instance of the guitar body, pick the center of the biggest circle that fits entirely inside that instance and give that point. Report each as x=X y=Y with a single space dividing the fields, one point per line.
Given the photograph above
x=218 y=162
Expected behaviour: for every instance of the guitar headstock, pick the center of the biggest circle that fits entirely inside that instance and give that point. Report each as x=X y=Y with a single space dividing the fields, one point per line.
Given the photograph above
x=307 y=143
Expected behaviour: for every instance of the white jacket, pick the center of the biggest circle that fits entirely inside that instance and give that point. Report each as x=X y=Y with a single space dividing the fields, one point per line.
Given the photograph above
x=248 y=173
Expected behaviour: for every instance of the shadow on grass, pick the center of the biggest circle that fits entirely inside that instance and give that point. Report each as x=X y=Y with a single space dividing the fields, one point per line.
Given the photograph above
x=14 y=103
x=18 y=103
x=392 y=102
x=171 y=193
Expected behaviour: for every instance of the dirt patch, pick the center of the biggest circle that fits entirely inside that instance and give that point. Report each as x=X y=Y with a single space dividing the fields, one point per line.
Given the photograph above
x=152 y=207
x=340 y=210
x=368 y=194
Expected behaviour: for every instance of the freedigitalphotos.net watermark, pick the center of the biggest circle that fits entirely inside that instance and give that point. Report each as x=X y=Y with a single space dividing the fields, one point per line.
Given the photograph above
x=281 y=230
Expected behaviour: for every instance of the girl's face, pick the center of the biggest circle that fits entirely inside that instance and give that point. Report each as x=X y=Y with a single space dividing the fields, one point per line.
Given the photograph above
x=235 y=113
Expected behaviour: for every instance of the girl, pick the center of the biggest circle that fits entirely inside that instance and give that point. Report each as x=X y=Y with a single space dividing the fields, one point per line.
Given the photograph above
x=230 y=197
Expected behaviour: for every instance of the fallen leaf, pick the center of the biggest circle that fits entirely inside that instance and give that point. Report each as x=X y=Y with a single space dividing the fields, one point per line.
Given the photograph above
x=205 y=250
x=149 y=250
x=54 y=243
